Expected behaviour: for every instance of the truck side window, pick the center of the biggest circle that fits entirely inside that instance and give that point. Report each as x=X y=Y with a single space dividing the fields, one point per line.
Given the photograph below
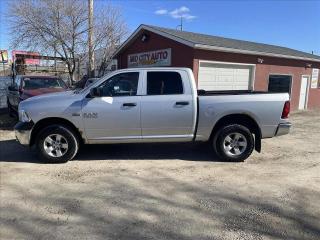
x=122 y=84
x=164 y=83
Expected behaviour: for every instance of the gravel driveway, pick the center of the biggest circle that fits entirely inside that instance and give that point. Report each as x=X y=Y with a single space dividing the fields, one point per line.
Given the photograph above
x=165 y=191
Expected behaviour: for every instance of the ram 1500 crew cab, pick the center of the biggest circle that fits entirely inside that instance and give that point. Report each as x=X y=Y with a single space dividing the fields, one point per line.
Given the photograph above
x=151 y=105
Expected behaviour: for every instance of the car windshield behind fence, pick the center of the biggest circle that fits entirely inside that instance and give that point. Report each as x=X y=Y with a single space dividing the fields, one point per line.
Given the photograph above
x=35 y=83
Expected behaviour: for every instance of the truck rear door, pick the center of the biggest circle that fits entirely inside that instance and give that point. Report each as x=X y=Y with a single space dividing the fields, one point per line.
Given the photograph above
x=167 y=106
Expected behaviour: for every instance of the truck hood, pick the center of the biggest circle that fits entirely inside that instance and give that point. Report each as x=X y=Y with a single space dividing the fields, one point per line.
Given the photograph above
x=35 y=92
x=52 y=105
x=50 y=95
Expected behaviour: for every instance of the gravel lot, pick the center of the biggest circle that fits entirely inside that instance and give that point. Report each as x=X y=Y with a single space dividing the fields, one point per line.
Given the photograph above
x=165 y=191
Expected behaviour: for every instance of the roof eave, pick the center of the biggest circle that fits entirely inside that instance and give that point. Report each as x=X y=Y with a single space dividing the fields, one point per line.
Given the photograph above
x=233 y=50
x=133 y=35
x=205 y=47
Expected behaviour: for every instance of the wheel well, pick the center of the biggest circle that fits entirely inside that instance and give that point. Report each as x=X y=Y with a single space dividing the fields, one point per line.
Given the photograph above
x=244 y=120
x=51 y=121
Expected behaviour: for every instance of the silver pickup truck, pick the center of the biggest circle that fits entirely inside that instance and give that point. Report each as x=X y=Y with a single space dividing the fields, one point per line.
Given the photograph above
x=151 y=105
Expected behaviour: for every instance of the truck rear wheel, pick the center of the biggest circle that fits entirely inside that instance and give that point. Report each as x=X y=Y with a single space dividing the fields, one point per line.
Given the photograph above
x=233 y=142
x=57 y=144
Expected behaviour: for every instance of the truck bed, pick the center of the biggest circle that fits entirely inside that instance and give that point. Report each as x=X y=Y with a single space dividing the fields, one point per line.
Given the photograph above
x=230 y=92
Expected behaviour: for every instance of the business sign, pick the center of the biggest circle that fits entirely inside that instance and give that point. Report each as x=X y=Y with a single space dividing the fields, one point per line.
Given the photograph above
x=157 y=58
x=314 y=77
x=3 y=56
x=28 y=61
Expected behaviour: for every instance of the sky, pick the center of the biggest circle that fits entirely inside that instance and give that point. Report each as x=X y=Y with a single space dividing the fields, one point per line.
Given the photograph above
x=294 y=24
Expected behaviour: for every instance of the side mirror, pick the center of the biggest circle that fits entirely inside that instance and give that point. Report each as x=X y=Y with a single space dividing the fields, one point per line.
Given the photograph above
x=95 y=92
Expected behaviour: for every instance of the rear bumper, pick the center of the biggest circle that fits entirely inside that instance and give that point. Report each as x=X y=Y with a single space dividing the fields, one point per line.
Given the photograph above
x=23 y=132
x=283 y=129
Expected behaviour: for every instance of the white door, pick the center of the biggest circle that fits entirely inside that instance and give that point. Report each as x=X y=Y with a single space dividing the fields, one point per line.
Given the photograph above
x=303 y=93
x=219 y=76
x=167 y=108
x=115 y=115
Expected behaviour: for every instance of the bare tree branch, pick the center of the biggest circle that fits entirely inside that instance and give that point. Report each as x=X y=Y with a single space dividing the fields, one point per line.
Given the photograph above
x=61 y=26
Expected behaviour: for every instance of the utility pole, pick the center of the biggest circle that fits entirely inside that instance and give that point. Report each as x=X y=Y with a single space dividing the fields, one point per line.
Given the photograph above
x=90 y=40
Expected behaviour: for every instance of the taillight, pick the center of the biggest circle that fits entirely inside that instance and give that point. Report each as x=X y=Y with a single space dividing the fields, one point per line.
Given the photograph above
x=286 y=110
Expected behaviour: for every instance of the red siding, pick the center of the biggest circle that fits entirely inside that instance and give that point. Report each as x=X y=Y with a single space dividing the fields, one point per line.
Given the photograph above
x=314 y=98
x=262 y=76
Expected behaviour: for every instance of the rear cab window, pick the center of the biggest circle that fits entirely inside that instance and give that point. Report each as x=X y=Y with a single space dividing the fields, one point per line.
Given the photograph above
x=164 y=83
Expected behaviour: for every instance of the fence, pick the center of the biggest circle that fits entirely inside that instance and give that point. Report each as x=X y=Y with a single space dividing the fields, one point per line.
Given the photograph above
x=4 y=83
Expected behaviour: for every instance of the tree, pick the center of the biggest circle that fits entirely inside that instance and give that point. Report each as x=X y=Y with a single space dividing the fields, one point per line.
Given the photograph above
x=61 y=27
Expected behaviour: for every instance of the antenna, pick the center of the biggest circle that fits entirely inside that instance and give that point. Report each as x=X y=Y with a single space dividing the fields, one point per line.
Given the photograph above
x=180 y=25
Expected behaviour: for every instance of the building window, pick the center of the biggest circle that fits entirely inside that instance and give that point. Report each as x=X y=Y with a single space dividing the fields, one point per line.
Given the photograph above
x=280 y=83
x=164 y=83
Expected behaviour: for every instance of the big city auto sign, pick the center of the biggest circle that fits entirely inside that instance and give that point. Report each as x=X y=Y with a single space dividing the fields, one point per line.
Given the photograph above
x=157 y=58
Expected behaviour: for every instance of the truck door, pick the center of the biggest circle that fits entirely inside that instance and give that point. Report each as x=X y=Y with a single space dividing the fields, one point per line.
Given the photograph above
x=167 y=107
x=115 y=116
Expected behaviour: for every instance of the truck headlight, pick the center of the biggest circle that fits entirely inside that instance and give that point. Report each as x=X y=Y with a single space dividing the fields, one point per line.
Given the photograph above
x=23 y=116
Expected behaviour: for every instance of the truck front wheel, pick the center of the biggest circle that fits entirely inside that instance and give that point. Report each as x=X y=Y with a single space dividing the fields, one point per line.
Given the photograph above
x=57 y=144
x=233 y=142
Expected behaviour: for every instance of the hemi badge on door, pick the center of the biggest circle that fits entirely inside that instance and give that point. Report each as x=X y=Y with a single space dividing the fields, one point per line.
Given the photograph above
x=75 y=114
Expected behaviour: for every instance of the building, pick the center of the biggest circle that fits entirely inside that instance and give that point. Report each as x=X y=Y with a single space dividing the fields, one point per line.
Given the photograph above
x=226 y=64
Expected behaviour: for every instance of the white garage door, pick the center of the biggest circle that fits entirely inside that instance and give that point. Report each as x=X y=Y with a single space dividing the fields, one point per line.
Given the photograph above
x=219 y=76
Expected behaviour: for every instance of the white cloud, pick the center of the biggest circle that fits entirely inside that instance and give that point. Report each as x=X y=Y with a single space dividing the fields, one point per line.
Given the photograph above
x=178 y=12
x=181 y=12
x=161 y=12
x=188 y=16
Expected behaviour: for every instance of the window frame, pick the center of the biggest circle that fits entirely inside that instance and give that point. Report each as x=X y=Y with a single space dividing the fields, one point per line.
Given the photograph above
x=145 y=87
x=281 y=74
x=97 y=84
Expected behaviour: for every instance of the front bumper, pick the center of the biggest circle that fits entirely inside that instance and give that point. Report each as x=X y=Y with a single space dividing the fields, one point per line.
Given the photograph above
x=23 y=132
x=283 y=128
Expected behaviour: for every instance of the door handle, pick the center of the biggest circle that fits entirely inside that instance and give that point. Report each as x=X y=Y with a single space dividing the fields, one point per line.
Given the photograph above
x=182 y=103
x=129 y=104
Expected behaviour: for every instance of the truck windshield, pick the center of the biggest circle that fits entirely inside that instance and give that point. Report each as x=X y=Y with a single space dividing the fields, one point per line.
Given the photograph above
x=90 y=85
x=35 y=83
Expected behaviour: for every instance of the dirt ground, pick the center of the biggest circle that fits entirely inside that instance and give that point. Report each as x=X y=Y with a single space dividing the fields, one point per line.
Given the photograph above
x=165 y=191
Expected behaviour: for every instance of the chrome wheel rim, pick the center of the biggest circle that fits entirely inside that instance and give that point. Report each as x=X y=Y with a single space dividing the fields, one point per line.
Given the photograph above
x=234 y=144
x=55 y=145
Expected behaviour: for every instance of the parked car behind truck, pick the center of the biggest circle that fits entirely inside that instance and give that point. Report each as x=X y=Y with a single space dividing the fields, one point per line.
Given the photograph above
x=151 y=105
x=25 y=86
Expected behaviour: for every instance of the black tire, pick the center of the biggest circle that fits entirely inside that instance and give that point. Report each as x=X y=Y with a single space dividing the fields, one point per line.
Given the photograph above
x=68 y=137
x=221 y=148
